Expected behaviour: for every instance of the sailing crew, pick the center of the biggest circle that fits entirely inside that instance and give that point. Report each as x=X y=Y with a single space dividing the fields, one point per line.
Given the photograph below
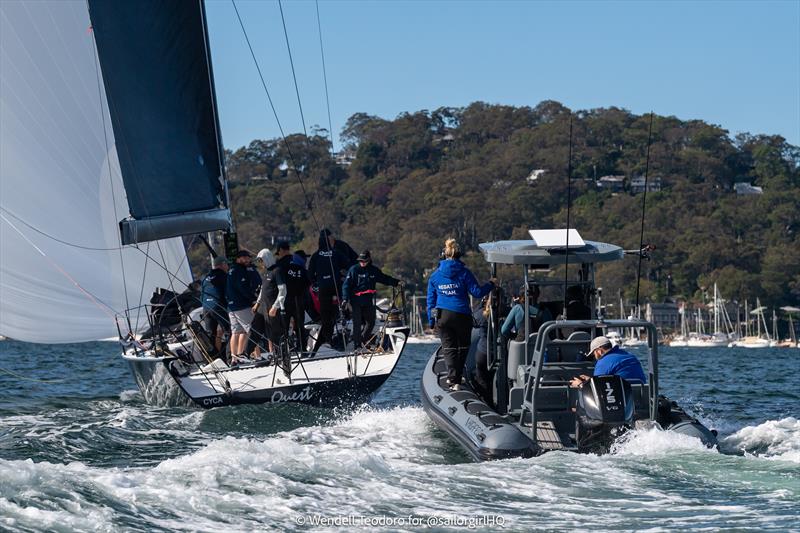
x=215 y=305
x=612 y=361
x=324 y=269
x=359 y=290
x=294 y=279
x=241 y=291
x=342 y=247
x=259 y=333
x=514 y=325
x=449 y=288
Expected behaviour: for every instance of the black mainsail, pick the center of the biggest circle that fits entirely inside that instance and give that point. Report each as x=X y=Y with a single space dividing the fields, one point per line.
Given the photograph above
x=156 y=68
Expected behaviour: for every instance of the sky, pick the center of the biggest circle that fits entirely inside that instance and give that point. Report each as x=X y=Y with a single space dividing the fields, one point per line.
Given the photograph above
x=734 y=63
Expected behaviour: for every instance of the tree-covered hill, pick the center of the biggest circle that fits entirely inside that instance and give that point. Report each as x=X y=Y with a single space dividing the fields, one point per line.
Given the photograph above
x=462 y=172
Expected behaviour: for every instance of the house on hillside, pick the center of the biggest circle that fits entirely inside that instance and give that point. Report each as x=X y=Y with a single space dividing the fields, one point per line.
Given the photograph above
x=535 y=175
x=653 y=184
x=611 y=183
x=743 y=187
x=344 y=159
x=664 y=316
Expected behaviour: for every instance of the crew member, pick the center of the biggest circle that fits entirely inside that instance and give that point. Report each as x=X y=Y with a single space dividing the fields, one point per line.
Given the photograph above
x=294 y=280
x=341 y=247
x=359 y=290
x=215 y=305
x=259 y=332
x=449 y=288
x=323 y=269
x=612 y=361
x=514 y=325
x=241 y=291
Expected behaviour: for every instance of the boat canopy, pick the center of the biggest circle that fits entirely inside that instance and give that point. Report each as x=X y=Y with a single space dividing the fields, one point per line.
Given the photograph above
x=551 y=251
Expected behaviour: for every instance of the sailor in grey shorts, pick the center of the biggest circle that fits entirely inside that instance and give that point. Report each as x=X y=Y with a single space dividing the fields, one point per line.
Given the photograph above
x=241 y=320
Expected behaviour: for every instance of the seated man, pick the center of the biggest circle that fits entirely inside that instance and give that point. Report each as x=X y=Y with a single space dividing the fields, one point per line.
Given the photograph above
x=612 y=361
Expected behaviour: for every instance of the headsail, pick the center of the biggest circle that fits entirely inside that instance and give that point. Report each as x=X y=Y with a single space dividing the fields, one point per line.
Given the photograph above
x=157 y=72
x=62 y=277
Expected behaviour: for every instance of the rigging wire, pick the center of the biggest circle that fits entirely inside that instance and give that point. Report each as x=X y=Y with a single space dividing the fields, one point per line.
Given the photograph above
x=325 y=79
x=644 y=200
x=309 y=203
x=56 y=239
x=569 y=203
x=275 y=113
x=294 y=75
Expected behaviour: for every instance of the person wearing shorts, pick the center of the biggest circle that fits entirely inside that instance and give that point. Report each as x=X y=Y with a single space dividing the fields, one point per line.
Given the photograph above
x=241 y=290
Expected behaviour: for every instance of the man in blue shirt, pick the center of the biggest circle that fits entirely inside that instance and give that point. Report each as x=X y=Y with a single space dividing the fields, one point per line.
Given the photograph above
x=612 y=361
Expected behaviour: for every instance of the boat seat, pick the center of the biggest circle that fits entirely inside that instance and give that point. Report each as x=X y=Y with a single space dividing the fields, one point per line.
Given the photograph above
x=517 y=356
x=574 y=349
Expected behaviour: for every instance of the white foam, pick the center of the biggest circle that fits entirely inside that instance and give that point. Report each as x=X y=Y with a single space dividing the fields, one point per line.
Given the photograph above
x=656 y=442
x=774 y=439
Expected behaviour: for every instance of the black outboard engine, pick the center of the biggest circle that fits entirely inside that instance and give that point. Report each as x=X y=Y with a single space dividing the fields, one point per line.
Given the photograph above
x=604 y=411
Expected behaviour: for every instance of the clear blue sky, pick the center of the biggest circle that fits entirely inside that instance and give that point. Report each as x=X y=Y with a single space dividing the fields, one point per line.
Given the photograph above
x=735 y=64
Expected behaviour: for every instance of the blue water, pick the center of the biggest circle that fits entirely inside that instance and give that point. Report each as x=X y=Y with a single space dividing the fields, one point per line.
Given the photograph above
x=80 y=451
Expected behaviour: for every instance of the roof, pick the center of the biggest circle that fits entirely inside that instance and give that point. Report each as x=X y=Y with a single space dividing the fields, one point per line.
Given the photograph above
x=527 y=252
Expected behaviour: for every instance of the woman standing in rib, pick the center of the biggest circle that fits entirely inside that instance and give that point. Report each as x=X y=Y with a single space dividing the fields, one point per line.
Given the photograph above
x=449 y=288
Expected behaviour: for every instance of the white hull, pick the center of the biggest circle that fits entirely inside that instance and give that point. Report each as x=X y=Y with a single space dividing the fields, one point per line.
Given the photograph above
x=330 y=378
x=752 y=342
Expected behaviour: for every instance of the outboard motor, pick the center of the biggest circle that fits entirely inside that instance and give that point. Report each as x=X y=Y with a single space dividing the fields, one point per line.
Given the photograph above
x=604 y=411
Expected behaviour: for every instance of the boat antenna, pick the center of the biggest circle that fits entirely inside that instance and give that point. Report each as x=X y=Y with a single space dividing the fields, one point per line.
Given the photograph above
x=569 y=203
x=644 y=204
x=325 y=78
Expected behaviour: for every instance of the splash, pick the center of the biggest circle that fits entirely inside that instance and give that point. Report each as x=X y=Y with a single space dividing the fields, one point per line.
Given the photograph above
x=774 y=439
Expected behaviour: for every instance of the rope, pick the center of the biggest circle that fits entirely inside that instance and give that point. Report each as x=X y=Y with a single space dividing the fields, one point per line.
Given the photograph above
x=309 y=203
x=644 y=200
x=294 y=75
x=325 y=78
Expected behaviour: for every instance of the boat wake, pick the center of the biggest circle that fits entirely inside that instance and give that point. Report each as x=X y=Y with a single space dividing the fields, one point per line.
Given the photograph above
x=392 y=462
x=773 y=439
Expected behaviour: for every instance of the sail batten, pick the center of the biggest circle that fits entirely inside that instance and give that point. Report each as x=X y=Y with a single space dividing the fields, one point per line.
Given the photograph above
x=156 y=70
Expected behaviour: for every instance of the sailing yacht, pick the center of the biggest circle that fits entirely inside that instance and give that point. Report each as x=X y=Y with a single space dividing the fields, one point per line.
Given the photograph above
x=681 y=340
x=759 y=340
x=418 y=335
x=111 y=154
x=718 y=338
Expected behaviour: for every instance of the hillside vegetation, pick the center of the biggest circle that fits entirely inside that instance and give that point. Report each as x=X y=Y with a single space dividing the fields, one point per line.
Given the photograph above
x=461 y=172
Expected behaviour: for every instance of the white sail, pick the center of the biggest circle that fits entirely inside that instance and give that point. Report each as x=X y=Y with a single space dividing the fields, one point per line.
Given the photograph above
x=63 y=275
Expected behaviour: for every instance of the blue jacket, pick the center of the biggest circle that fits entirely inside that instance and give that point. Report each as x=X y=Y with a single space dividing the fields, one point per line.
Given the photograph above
x=449 y=287
x=242 y=287
x=618 y=362
x=359 y=283
x=212 y=295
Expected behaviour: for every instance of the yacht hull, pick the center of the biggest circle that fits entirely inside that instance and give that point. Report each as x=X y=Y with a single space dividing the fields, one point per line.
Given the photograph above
x=331 y=379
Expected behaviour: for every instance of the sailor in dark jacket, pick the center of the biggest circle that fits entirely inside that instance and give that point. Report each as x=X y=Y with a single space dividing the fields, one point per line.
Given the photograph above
x=325 y=269
x=359 y=290
x=241 y=291
x=215 y=304
x=342 y=247
x=292 y=282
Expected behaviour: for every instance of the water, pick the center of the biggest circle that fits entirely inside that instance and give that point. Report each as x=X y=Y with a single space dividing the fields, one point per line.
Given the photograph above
x=85 y=453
